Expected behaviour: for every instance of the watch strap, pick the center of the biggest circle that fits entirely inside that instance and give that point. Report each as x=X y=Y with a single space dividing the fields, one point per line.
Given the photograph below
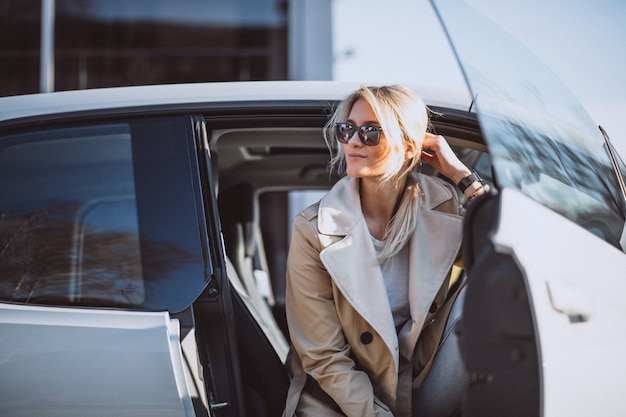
x=469 y=180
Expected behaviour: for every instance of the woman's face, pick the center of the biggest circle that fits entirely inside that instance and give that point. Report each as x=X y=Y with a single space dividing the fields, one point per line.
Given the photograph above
x=365 y=161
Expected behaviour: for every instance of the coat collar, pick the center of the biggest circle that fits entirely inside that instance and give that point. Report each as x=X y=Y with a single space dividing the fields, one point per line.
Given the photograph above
x=433 y=249
x=340 y=209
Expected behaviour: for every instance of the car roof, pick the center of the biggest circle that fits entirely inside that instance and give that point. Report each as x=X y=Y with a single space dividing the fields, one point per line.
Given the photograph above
x=105 y=100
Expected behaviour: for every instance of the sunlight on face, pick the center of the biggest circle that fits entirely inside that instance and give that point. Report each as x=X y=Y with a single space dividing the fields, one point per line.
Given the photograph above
x=365 y=161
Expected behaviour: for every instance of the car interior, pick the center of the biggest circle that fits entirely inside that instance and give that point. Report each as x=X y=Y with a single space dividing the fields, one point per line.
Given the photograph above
x=266 y=175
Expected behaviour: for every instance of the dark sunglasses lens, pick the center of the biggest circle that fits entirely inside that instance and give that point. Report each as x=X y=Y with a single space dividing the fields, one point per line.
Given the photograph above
x=369 y=135
x=344 y=132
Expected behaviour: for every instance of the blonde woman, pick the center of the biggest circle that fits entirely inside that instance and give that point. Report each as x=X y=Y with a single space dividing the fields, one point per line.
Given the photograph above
x=369 y=265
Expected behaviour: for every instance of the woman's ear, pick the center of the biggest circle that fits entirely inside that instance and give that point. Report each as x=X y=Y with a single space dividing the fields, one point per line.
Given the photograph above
x=410 y=150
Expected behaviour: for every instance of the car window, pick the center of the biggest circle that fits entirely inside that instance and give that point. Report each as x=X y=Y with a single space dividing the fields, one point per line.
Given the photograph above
x=541 y=140
x=99 y=215
x=298 y=200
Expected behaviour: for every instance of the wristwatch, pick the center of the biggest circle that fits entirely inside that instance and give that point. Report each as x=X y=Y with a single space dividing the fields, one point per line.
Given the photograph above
x=469 y=180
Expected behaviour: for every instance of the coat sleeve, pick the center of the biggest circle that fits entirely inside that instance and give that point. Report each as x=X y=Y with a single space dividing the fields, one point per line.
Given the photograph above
x=315 y=330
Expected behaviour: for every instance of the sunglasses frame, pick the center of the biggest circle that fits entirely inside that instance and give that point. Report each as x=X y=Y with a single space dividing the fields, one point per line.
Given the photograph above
x=361 y=130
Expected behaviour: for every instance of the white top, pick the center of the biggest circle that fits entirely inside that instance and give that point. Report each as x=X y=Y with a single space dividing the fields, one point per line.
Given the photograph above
x=396 y=276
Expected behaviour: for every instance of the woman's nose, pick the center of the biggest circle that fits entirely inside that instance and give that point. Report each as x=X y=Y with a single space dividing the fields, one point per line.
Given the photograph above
x=354 y=139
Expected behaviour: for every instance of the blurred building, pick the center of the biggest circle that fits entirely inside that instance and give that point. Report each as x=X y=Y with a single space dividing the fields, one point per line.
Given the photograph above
x=55 y=45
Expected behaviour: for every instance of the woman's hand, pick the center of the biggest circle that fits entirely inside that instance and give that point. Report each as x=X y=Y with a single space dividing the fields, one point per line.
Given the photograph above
x=437 y=152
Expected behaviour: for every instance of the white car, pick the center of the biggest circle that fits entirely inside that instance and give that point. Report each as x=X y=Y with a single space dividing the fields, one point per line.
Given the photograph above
x=143 y=235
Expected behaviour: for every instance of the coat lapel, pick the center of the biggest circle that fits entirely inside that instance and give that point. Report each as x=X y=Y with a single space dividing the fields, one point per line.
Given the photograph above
x=349 y=240
x=433 y=249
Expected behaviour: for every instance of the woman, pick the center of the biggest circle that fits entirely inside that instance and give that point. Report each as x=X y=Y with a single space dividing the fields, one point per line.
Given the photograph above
x=370 y=263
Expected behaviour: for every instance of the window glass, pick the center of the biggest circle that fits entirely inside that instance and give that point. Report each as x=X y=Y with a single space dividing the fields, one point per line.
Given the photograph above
x=103 y=43
x=88 y=216
x=20 y=29
x=135 y=42
x=301 y=199
x=541 y=140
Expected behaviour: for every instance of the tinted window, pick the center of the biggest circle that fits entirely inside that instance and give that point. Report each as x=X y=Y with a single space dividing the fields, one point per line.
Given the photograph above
x=20 y=33
x=541 y=140
x=103 y=43
x=100 y=215
x=136 y=42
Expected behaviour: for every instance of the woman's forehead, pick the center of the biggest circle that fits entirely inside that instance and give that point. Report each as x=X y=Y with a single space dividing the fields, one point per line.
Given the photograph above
x=363 y=111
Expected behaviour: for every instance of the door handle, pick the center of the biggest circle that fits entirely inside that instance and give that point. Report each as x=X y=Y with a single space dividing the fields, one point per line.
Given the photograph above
x=570 y=300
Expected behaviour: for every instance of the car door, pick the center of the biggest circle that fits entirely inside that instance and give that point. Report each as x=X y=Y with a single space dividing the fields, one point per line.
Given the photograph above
x=544 y=329
x=113 y=299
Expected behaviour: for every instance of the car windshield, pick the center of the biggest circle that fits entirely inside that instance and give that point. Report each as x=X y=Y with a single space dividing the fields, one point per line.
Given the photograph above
x=541 y=140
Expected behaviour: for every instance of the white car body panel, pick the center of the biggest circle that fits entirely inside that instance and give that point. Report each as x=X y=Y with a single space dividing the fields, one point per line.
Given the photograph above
x=110 y=363
x=120 y=99
x=577 y=284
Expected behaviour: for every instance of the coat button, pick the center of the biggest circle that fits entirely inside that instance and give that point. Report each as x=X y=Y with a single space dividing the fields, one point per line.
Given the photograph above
x=366 y=338
x=433 y=307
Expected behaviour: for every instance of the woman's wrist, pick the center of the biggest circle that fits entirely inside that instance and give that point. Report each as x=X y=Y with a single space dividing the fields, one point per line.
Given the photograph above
x=468 y=181
x=459 y=175
x=476 y=189
x=472 y=186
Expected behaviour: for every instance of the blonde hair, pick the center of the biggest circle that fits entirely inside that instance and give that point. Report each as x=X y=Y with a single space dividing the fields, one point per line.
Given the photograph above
x=404 y=119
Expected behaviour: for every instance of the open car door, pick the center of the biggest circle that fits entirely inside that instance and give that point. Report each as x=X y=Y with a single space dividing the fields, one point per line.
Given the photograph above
x=544 y=330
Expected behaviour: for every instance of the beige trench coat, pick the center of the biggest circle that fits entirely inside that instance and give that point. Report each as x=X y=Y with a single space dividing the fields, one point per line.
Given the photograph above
x=340 y=322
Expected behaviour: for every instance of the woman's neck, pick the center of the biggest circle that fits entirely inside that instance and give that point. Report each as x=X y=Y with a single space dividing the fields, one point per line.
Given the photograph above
x=379 y=203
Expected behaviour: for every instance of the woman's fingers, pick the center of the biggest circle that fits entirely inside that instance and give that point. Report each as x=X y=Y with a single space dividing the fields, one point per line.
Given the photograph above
x=437 y=152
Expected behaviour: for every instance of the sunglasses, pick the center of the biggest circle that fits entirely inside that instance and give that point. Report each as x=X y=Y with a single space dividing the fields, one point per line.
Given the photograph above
x=369 y=135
